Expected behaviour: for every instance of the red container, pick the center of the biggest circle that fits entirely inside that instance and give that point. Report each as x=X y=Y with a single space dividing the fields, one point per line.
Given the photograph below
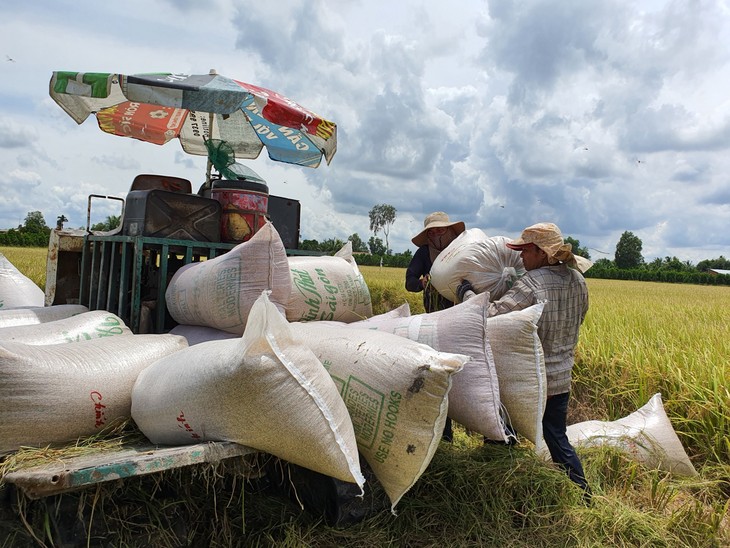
x=244 y=205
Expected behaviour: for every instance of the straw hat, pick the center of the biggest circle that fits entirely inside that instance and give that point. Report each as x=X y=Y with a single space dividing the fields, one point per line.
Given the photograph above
x=547 y=236
x=437 y=219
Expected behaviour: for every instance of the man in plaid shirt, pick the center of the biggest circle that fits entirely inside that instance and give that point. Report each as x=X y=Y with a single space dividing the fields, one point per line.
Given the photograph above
x=552 y=277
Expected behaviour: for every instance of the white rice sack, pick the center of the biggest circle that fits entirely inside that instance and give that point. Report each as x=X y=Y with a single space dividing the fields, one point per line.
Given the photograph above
x=647 y=435
x=474 y=399
x=484 y=261
x=396 y=392
x=16 y=289
x=59 y=393
x=328 y=288
x=403 y=311
x=40 y=314
x=265 y=390
x=220 y=292
x=196 y=334
x=520 y=363
x=86 y=326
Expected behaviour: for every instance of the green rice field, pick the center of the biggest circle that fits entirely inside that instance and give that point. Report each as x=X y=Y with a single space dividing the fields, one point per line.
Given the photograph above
x=639 y=339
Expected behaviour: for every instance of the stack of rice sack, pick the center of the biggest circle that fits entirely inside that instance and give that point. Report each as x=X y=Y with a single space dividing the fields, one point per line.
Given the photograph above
x=328 y=293
x=54 y=392
x=219 y=293
x=504 y=383
x=310 y=393
x=486 y=262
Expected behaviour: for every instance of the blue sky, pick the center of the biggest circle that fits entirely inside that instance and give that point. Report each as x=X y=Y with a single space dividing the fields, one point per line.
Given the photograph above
x=602 y=117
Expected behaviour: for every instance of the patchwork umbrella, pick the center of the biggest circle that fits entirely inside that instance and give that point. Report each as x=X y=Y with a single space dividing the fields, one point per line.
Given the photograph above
x=196 y=109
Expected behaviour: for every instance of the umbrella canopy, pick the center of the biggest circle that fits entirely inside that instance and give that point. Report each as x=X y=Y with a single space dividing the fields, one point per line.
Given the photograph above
x=195 y=108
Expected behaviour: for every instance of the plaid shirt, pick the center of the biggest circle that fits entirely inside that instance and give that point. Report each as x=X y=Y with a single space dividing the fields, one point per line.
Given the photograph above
x=566 y=302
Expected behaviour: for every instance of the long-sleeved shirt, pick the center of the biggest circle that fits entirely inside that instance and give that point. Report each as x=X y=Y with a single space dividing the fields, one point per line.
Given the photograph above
x=565 y=295
x=419 y=266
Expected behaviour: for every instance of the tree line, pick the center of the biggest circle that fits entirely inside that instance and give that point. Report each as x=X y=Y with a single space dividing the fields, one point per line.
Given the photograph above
x=628 y=262
x=34 y=232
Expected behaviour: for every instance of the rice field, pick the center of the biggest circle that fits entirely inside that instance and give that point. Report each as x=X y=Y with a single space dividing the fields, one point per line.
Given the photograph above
x=31 y=261
x=639 y=338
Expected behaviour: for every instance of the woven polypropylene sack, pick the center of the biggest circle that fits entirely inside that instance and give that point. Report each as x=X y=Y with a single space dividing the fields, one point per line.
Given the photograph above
x=16 y=289
x=86 y=326
x=328 y=288
x=61 y=392
x=474 y=399
x=396 y=391
x=265 y=390
x=196 y=334
x=39 y=314
x=220 y=292
x=646 y=434
x=520 y=363
x=485 y=261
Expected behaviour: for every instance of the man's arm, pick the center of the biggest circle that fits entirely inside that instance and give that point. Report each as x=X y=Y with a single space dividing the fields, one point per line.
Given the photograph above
x=518 y=298
x=419 y=266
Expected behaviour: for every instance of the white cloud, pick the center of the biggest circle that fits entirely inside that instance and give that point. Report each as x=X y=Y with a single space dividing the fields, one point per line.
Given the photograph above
x=602 y=117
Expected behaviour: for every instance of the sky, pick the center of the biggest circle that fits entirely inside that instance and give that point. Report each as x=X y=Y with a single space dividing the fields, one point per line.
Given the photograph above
x=600 y=116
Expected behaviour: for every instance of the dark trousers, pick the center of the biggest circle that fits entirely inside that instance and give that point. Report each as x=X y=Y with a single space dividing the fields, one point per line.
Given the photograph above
x=554 y=431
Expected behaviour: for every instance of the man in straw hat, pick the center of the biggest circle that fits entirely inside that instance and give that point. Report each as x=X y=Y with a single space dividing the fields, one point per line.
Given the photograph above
x=438 y=232
x=549 y=279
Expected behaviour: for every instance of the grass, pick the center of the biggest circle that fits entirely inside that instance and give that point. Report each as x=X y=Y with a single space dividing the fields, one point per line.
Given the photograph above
x=639 y=338
x=31 y=261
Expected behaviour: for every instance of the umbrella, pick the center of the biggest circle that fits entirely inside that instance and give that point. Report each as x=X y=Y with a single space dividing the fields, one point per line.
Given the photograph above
x=197 y=109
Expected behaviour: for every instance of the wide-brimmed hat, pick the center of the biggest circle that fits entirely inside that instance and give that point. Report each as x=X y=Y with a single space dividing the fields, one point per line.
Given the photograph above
x=547 y=236
x=437 y=219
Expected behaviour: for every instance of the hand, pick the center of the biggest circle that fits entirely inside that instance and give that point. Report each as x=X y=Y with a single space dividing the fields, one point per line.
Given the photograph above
x=425 y=280
x=463 y=288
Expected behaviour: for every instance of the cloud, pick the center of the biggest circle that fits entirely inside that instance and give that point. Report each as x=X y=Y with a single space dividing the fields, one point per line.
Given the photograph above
x=602 y=117
x=15 y=136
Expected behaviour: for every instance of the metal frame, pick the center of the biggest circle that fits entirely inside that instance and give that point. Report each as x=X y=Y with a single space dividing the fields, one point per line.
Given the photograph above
x=112 y=270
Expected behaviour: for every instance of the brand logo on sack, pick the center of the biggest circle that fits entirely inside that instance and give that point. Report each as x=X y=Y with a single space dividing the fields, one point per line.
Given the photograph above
x=99 y=413
x=185 y=425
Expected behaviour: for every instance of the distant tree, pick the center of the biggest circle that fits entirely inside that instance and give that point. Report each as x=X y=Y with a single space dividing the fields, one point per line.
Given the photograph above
x=628 y=251
x=603 y=263
x=577 y=249
x=111 y=222
x=35 y=223
x=309 y=245
x=331 y=245
x=721 y=263
x=376 y=246
x=670 y=264
x=382 y=216
x=357 y=244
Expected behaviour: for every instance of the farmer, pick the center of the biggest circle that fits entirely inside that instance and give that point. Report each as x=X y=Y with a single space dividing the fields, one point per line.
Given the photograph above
x=438 y=232
x=550 y=279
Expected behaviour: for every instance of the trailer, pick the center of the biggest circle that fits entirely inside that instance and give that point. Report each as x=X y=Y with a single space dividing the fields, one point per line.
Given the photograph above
x=126 y=271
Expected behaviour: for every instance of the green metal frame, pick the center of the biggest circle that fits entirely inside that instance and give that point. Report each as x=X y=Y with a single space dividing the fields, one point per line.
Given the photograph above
x=112 y=268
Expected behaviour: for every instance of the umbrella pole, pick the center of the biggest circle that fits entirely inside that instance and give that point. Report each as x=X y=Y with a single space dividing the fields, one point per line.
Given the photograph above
x=211 y=120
